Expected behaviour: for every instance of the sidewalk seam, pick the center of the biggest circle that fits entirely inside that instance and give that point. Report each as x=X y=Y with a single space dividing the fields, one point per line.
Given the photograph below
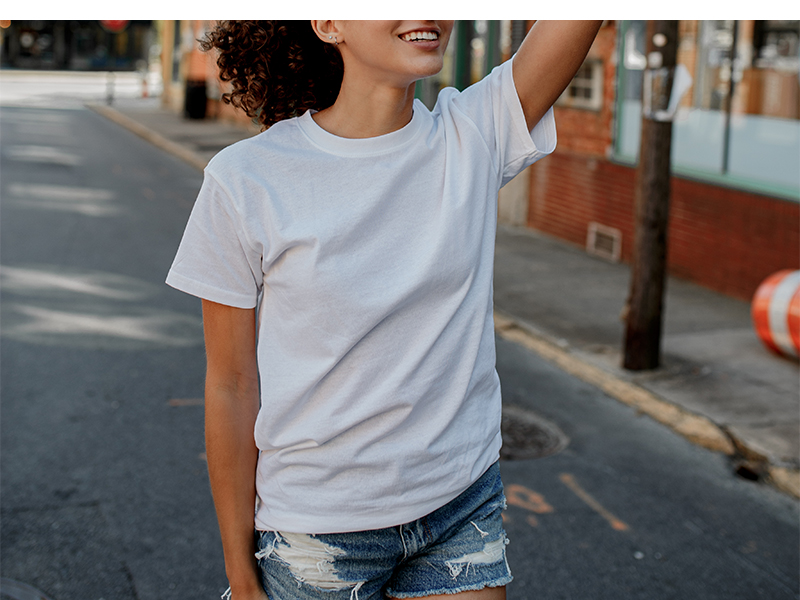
x=697 y=429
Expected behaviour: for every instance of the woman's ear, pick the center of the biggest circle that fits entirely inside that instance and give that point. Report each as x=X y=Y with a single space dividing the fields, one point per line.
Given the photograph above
x=327 y=31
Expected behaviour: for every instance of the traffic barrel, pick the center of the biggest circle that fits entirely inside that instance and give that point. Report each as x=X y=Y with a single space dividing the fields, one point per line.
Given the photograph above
x=776 y=312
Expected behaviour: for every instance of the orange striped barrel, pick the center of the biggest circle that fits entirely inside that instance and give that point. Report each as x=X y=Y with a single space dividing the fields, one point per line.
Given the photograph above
x=776 y=312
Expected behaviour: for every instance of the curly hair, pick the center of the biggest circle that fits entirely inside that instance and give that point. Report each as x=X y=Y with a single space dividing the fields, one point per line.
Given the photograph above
x=278 y=69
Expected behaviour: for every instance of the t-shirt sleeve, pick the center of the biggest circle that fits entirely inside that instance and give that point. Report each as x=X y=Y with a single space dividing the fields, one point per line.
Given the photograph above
x=494 y=108
x=215 y=261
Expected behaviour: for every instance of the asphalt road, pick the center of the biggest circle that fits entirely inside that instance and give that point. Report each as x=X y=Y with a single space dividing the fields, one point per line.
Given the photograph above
x=104 y=490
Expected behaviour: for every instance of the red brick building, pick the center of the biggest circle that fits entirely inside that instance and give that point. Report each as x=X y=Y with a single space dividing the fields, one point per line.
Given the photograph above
x=732 y=223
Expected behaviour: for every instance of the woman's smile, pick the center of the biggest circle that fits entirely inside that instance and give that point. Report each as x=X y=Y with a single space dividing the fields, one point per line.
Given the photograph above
x=424 y=39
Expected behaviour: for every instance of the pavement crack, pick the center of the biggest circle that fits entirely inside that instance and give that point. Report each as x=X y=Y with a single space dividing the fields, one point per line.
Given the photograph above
x=129 y=576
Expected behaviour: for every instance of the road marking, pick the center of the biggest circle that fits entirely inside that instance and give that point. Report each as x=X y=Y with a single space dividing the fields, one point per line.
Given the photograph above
x=530 y=520
x=519 y=495
x=186 y=402
x=573 y=485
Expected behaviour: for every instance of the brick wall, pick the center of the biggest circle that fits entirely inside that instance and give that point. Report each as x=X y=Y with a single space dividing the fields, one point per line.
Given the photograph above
x=588 y=131
x=727 y=240
x=731 y=240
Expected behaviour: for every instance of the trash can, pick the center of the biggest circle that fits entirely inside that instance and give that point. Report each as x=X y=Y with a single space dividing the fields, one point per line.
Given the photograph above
x=194 y=106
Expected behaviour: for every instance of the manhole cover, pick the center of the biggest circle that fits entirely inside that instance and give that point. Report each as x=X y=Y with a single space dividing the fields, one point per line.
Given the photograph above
x=527 y=435
x=14 y=590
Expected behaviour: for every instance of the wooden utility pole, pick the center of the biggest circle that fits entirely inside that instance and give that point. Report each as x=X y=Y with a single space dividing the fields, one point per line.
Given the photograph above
x=648 y=274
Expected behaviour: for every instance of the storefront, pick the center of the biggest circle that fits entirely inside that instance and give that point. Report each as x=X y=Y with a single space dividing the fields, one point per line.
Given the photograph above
x=739 y=124
x=735 y=191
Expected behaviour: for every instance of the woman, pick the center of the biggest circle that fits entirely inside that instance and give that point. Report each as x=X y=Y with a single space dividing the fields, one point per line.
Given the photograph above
x=344 y=258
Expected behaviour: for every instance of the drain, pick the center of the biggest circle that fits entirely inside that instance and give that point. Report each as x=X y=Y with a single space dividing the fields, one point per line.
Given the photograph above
x=527 y=435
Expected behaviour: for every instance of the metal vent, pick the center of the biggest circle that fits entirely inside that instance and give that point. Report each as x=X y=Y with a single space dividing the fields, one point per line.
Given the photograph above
x=605 y=242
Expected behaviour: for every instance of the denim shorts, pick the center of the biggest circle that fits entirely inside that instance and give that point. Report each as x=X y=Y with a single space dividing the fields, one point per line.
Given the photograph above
x=456 y=548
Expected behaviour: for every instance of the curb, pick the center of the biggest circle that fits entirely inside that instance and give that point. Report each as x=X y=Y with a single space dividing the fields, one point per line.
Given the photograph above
x=151 y=136
x=697 y=429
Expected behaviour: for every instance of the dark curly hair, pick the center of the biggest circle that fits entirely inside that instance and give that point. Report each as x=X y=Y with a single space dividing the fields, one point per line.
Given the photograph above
x=278 y=69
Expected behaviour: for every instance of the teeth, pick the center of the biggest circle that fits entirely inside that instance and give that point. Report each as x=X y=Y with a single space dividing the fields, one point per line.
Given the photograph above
x=420 y=35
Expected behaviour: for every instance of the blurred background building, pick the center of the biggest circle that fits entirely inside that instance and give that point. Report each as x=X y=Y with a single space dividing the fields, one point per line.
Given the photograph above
x=735 y=191
x=734 y=215
x=77 y=45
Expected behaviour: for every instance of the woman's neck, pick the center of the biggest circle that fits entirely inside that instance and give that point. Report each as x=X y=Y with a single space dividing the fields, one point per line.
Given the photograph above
x=364 y=110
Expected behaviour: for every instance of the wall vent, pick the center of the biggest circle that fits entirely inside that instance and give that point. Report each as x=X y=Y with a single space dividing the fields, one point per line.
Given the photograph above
x=605 y=242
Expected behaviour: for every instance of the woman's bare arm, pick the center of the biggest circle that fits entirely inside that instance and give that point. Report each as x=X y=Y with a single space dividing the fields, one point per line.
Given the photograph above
x=546 y=62
x=231 y=406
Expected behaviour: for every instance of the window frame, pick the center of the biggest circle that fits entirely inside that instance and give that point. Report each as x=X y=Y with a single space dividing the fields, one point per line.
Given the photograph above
x=594 y=84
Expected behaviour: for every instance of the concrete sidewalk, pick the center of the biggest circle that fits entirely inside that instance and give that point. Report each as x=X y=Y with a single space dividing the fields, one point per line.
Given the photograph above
x=718 y=386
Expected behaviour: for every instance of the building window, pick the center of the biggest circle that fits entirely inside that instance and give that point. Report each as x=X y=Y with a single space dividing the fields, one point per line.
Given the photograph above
x=739 y=124
x=586 y=88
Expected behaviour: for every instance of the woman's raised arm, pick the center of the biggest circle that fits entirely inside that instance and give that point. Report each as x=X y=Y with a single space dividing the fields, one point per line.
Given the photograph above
x=546 y=62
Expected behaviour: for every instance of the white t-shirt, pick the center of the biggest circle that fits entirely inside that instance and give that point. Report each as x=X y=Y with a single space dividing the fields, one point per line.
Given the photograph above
x=370 y=262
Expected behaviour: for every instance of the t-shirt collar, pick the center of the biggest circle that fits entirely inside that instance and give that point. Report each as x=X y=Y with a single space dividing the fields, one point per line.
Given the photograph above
x=362 y=146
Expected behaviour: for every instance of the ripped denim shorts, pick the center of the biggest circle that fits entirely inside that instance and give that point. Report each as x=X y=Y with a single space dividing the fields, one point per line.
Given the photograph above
x=456 y=548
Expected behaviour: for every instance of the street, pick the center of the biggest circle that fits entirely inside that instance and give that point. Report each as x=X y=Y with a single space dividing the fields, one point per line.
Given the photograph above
x=104 y=487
